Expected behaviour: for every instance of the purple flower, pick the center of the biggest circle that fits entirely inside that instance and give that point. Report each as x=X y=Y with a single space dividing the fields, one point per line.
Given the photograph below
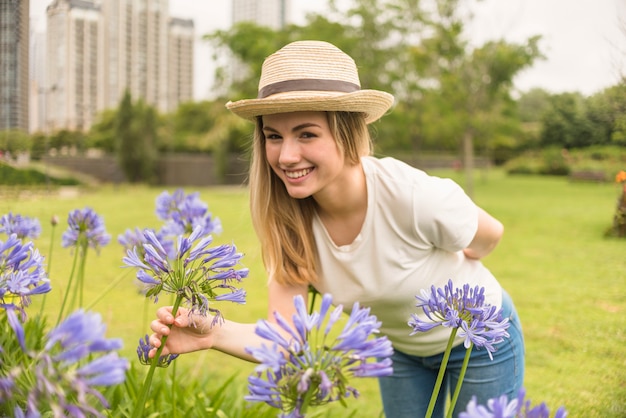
x=62 y=376
x=22 y=226
x=132 y=238
x=22 y=275
x=143 y=349
x=303 y=366
x=517 y=408
x=464 y=309
x=197 y=272
x=85 y=228
x=184 y=213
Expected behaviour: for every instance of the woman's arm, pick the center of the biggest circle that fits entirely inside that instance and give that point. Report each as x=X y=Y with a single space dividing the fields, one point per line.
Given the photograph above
x=229 y=337
x=487 y=236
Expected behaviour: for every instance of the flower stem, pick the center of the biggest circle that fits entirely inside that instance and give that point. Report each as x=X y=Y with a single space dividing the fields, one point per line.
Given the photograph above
x=143 y=396
x=69 y=285
x=49 y=266
x=113 y=284
x=457 y=390
x=442 y=371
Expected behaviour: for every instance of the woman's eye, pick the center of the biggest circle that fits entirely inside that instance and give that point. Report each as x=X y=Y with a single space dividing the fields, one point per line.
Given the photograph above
x=272 y=137
x=307 y=135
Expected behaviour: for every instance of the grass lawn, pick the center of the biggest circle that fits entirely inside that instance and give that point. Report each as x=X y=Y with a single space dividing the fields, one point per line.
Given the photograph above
x=568 y=281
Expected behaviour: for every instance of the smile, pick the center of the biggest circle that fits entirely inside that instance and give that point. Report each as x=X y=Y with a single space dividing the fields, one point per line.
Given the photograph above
x=297 y=174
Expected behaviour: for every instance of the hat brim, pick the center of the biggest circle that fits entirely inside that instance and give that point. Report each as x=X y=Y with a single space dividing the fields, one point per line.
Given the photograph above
x=373 y=103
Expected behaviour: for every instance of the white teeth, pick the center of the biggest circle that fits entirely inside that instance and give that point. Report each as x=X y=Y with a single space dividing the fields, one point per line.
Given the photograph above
x=297 y=174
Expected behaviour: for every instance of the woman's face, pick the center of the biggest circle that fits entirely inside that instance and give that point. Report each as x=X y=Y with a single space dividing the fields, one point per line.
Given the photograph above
x=302 y=152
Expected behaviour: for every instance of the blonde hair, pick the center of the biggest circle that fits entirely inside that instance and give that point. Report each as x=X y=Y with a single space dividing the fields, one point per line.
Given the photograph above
x=284 y=224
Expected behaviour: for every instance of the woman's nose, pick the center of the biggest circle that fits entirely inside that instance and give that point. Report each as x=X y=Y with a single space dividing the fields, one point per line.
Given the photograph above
x=289 y=152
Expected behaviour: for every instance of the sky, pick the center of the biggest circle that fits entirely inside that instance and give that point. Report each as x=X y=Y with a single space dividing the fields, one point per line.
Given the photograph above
x=584 y=41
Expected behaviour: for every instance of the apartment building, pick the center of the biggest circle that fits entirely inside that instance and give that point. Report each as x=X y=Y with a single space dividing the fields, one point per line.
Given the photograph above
x=98 y=49
x=180 y=70
x=14 y=68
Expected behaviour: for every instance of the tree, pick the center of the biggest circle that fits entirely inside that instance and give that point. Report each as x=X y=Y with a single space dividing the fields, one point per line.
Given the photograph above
x=566 y=124
x=136 y=140
x=445 y=91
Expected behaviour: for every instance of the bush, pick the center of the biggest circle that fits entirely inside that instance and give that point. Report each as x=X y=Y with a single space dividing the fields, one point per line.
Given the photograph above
x=10 y=176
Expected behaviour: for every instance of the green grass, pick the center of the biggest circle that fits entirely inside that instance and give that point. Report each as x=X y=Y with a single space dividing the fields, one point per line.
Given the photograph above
x=567 y=279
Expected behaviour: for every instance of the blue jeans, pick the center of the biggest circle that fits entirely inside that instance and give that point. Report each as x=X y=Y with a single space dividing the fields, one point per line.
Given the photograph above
x=407 y=392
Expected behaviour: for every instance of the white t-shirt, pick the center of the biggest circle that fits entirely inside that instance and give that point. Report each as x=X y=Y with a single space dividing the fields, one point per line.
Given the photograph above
x=413 y=235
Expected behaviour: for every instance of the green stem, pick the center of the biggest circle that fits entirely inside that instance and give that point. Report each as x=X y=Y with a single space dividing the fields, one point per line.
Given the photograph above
x=313 y=293
x=81 y=276
x=69 y=285
x=43 y=299
x=174 y=390
x=143 y=396
x=442 y=371
x=457 y=390
x=113 y=284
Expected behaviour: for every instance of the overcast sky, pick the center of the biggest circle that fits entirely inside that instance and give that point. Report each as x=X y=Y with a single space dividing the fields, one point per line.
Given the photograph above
x=582 y=39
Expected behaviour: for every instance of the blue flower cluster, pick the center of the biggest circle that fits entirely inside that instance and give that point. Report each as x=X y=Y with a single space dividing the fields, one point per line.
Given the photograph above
x=22 y=226
x=464 y=309
x=64 y=374
x=21 y=275
x=85 y=228
x=501 y=407
x=304 y=366
x=56 y=373
x=184 y=213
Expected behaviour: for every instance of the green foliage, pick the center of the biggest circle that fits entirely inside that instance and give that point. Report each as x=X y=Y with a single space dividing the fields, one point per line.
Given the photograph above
x=102 y=132
x=172 y=395
x=604 y=161
x=136 y=136
x=14 y=141
x=566 y=279
x=11 y=176
x=65 y=140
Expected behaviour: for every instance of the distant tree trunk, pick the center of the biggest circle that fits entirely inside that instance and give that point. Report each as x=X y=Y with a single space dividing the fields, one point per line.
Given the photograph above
x=468 y=162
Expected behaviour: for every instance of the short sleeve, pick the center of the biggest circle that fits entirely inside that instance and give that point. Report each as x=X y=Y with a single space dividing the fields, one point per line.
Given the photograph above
x=445 y=216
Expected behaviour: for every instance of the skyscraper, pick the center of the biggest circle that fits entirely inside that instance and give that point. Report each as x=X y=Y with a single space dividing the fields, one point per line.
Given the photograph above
x=14 y=42
x=275 y=14
x=135 y=41
x=180 y=61
x=272 y=13
x=99 y=48
x=73 y=64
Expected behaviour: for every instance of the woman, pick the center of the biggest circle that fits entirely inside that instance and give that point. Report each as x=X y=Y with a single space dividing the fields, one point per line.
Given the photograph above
x=376 y=231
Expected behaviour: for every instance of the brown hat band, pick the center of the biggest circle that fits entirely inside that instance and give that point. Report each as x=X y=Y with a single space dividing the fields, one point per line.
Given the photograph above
x=308 y=84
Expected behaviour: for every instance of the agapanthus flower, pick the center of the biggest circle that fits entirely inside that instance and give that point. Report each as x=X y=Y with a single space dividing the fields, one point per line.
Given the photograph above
x=198 y=272
x=143 y=349
x=304 y=366
x=75 y=359
x=22 y=275
x=22 y=226
x=132 y=238
x=501 y=407
x=85 y=227
x=184 y=213
x=463 y=308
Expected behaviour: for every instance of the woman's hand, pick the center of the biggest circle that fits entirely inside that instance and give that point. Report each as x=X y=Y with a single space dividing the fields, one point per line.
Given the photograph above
x=187 y=333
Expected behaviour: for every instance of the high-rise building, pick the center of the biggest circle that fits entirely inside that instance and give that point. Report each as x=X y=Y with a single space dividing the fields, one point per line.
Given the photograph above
x=272 y=13
x=275 y=14
x=180 y=70
x=135 y=40
x=14 y=42
x=97 y=49
x=73 y=64
x=37 y=64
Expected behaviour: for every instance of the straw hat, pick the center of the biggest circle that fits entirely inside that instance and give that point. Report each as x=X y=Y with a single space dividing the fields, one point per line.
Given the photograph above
x=311 y=76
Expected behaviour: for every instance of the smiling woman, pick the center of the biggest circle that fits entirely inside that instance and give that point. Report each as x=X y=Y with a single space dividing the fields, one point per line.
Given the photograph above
x=374 y=232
